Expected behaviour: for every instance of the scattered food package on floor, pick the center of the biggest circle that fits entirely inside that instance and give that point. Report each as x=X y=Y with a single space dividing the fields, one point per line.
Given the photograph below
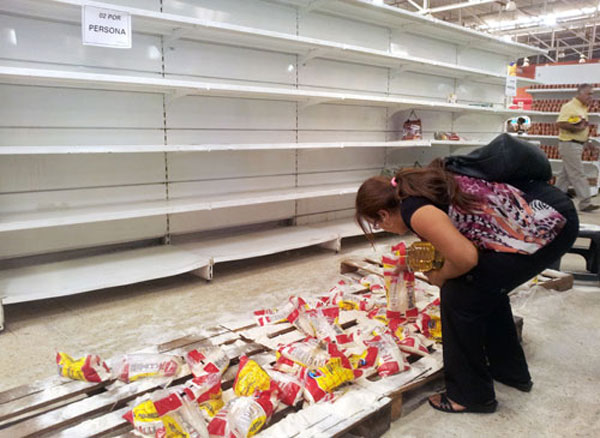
x=317 y=368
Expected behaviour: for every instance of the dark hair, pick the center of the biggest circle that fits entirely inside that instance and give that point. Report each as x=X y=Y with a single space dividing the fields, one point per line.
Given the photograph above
x=582 y=87
x=432 y=182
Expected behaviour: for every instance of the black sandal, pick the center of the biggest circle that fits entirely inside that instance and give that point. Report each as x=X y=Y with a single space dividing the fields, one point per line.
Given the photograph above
x=446 y=406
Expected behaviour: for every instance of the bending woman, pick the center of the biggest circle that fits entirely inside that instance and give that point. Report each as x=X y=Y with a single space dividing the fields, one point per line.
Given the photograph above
x=494 y=237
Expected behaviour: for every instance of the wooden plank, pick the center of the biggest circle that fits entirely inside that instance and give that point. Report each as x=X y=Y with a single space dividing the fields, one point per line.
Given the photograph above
x=114 y=423
x=19 y=401
x=116 y=398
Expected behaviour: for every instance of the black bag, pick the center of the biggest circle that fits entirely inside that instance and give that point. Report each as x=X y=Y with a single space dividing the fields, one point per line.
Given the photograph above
x=506 y=159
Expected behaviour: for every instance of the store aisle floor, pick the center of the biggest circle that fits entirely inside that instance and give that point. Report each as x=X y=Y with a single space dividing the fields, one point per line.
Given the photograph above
x=560 y=337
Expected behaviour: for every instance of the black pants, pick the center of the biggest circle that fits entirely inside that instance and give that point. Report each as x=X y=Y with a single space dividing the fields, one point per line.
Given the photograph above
x=478 y=333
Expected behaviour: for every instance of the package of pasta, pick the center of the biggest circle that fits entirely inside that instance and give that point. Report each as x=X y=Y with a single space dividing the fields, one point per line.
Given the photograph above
x=146 y=415
x=203 y=388
x=208 y=360
x=250 y=378
x=308 y=353
x=374 y=282
x=143 y=365
x=290 y=388
x=390 y=360
x=243 y=417
x=323 y=323
x=323 y=380
x=184 y=419
x=90 y=368
x=430 y=322
x=365 y=360
x=410 y=343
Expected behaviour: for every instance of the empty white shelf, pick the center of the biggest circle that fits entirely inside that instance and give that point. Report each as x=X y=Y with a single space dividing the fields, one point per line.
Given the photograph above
x=192 y=28
x=110 y=212
x=396 y=18
x=138 y=149
x=98 y=272
x=175 y=26
x=261 y=243
x=85 y=274
x=68 y=79
x=135 y=149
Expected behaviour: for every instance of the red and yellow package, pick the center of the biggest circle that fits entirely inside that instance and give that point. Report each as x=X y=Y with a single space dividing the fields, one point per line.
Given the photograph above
x=89 y=368
x=184 y=421
x=143 y=365
x=410 y=343
x=368 y=358
x=390 y=359
x=210 y=360
x=429 y=321
x=303 y=354
x=290 y=387
x=243 y=417
x=146 y=416
x=203 y=388
x=323 y=380
x=250 y=378
x=211 y=407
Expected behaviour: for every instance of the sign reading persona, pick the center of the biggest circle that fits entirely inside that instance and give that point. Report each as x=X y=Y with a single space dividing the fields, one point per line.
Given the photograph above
x=105 y=27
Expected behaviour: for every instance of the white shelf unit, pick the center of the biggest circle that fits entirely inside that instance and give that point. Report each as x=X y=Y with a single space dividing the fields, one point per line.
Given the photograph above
x=179 y=88
x=202 y=126
x=411 y=22
x=152 y=149
x=85 y=274
x=176 y=27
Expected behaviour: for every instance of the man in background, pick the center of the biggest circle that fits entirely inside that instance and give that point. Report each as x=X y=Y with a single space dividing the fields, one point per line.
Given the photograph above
x=573 y=137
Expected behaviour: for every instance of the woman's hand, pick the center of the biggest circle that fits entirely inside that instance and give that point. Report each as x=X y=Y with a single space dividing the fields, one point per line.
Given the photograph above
x=460 y=255
x=435 y=277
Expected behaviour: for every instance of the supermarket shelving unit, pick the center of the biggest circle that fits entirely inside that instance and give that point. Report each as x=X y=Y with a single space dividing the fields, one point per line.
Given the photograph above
x=289 y=142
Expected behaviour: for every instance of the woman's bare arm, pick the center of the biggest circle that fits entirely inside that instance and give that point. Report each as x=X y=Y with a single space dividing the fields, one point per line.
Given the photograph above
x=460 y=255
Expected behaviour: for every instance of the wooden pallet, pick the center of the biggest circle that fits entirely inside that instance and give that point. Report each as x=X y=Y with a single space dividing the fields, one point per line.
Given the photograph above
x=555 y=280
x=58 y=408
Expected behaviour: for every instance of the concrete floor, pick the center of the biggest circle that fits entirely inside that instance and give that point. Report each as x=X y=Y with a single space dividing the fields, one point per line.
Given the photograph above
x=560 y=337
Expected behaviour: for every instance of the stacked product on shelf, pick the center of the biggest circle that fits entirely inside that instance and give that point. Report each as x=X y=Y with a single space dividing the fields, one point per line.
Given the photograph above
x=554 y=105
x=551 y=128
x=559 y=86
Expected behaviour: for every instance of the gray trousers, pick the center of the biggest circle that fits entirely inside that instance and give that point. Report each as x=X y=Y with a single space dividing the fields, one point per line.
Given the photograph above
x=572 y=172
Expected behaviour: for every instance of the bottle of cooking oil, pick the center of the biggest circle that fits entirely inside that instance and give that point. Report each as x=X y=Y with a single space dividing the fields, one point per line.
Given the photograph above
x=423 y=257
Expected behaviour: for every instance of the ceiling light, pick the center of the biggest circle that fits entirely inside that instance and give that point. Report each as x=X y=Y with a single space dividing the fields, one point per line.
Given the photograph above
x=510 y=6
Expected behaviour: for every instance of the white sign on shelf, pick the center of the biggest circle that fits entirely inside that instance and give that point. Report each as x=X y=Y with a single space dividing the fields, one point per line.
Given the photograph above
x=511 y=86
x=105 y=27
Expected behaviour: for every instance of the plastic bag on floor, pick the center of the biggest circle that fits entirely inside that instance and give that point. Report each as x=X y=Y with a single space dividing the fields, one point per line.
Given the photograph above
x=90 y=368
x=243 y=416
x=208 y=360
x=141 y=365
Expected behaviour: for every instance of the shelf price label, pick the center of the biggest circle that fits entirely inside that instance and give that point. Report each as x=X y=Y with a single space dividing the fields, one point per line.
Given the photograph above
x=511 y=86
x=105 y=27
